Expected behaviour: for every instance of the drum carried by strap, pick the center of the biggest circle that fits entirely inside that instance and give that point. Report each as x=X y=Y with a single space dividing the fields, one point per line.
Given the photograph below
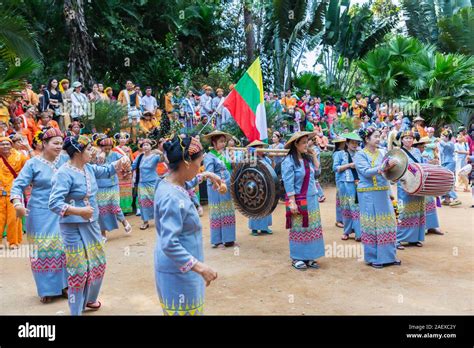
x=423 y=179
x=418 y=179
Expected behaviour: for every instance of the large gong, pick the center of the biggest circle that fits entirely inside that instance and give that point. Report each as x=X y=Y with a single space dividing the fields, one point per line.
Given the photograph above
x=255 y=189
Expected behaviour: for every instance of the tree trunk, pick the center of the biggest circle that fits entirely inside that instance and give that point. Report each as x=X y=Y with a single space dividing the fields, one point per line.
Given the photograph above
x=249 y=32
x=79 y=67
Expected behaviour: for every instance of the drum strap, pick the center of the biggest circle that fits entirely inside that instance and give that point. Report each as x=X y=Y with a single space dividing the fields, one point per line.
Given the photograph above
x=300 y=200
x=410 y=155
x=354 y=174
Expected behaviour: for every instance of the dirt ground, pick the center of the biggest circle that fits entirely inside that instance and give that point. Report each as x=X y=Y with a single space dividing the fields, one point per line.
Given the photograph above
x=256 y=278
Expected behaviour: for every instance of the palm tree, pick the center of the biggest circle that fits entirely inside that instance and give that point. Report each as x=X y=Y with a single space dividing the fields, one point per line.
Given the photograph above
x=19 y=52
x=456 y=32
x=79 y=67
x=347 y=38
x=291 y=27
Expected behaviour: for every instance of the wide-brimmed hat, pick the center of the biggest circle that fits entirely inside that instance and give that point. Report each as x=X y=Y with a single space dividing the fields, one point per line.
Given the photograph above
x=297 y=136
x=257 y=143
x=216 y=133
x=338 y=140
x=424 y=140
x=418 y=118
x=351 y=136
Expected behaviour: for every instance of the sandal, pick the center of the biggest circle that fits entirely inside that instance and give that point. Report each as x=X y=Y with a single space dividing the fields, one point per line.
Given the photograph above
x=254 y=233
x=231 y=244
x=339 y=224
x=128 y=228
x=400 y=247
x=312 y=264
x=397 y=262
x=269 y=231
x=345 y=237
x=376 y=265
x=358 y=239
x=321 y=199
x=144 y=226
x=46 y=299
x=418 y=244
x=218 y=245
x=299 y=265
x=94 y=308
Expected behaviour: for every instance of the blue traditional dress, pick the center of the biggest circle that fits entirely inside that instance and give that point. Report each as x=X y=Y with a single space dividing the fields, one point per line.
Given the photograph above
x=306 y=243
x=277 y=159
x=146 y=184
x=346 y=187
x=108 y=198
x=221 y=207
x=319 y=188
x=263 y=223
x=48 y=261
x=412 y=219
x=446 y=154
x=377 y=217
x=178 y=249
x=85 y=256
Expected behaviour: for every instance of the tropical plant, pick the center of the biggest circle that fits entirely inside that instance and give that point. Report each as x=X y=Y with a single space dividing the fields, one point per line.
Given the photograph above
x=19 y=52
x=106 y=117
x=422 y=16
x=456 y=32
x=291 y=28
x=349 y=36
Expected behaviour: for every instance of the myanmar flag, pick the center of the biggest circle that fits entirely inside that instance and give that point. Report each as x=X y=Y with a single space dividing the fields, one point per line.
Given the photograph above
x=245 y=104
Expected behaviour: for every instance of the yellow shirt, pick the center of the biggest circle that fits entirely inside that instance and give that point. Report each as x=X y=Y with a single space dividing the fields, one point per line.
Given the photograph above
x=16 y=160
x=148 y=125
x=356 y=109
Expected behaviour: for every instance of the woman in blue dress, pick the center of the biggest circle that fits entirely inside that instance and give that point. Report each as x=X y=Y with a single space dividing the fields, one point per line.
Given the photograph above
x=339 y=145
x=180 y=272
x=48 y=261
x=432 y=221
x=346 y=181
x=108 y=196
x=260 y=224
x=277 y=145
x=446 y=154
x=221 y=207
x=412 y=218
x=378 y=224
x=73 y=198
x=303 y=217
x=145 y=167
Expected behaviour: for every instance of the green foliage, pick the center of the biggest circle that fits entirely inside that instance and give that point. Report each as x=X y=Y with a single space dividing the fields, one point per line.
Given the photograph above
x=106 y=117
x=327 y=174
x=404 y=67
x=457 y=32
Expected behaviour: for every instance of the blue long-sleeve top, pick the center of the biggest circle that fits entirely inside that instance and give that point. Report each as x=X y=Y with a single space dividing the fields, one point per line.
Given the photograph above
x=72 y=186
x=341 y=158
x=147 y=167
x=215 y=165
x=179 y=243
x=446 y=154
x=293 y=177
x=113 y=180
x=367 y=166
x=37 y=172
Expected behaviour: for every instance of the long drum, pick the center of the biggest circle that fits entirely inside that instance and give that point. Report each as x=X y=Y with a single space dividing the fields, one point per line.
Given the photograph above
x=423 y=179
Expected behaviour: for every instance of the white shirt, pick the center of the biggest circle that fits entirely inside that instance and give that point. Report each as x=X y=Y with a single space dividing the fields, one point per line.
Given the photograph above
x=149 y=103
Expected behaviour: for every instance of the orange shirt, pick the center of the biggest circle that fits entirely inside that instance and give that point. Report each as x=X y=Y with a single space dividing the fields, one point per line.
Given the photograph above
x=168 y=103
x=288 y=103
x=16 y=160
x=421 y=131
x=30 y=124
x=51 y=123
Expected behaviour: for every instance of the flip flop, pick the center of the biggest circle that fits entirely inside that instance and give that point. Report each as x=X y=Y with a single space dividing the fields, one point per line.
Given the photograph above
x=128 y=228
x=93 y=308
x=46 y=299
x=144 y=226
x=313 y=264
x=345 y=237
